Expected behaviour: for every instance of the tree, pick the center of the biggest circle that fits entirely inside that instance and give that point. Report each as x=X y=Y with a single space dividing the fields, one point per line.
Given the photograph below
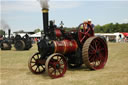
x=2 y=32
x=37 y=30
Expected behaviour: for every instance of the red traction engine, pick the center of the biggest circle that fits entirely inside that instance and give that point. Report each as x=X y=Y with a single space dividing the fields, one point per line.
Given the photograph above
x=59 y=49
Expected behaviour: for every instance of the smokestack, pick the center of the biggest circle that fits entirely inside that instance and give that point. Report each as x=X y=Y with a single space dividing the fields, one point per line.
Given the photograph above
x=45 y=20
x=44 y=6
x=9 y=33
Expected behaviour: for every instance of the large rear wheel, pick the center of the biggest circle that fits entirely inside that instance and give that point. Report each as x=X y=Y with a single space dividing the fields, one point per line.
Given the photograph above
x=20 y=45
x=95 y=53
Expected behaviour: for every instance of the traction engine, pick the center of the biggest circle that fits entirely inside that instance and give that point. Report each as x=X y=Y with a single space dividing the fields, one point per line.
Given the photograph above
x=5 y=43
x=22 y=43
x=59 y=49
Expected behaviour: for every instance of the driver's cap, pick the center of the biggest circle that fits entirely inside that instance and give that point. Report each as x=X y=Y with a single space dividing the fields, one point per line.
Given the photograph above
x=89 y=20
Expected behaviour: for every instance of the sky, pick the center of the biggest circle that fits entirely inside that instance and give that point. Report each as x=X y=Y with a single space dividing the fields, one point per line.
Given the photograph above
x=26 y=14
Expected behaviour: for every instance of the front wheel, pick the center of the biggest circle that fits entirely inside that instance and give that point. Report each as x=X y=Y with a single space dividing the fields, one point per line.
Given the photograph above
x=56 y=65
x=35 y=64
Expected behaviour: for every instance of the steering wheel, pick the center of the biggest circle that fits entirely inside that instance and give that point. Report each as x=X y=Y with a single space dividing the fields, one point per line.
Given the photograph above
x=85 y=31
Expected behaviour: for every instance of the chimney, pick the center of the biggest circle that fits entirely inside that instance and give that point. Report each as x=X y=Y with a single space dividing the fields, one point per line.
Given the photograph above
x=9 y=32
x=45 y=20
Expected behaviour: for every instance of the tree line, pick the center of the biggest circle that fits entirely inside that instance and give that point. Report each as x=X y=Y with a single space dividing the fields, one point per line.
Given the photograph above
x=111 y=28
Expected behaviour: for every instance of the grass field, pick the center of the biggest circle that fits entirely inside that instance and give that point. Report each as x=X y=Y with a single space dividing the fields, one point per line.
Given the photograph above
x=14 y=69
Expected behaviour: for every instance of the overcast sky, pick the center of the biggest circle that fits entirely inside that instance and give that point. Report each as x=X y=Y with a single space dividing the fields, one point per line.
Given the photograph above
x=26 y=14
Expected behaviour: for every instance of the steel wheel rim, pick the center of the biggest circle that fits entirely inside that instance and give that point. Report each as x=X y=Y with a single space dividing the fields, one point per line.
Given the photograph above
x=34 y=66
x=56 y=65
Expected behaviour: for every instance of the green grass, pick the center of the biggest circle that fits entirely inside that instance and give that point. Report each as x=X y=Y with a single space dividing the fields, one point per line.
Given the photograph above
x=14 y=69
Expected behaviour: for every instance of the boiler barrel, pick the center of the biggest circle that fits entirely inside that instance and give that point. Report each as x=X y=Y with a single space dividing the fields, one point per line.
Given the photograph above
x=65 y=46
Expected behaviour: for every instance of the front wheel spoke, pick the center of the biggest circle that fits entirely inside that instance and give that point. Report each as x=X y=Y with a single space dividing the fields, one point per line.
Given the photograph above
x=50 y=67
x=33 y=62
x=51 y=63
x=42 y=66
x=55 y=72
x=39 y=69
x=52 y=71
x=59 y=71
x=33 y=65
x=36 y=68
x=38 y=57
x=34 y=58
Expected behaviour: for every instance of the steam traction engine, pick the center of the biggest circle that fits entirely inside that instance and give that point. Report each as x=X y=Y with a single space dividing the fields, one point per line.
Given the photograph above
x=59 y=49
x=22 y=43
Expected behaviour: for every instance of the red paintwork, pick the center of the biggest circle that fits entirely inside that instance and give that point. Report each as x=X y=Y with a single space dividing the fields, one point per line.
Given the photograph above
x=58 y=32
x=65 y=46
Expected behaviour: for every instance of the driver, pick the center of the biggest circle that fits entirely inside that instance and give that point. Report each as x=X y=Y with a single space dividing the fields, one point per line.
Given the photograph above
x=89 y=21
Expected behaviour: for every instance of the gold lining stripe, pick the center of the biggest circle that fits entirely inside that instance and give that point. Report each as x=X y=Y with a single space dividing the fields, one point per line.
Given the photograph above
x=64 y=47
x=55 y=46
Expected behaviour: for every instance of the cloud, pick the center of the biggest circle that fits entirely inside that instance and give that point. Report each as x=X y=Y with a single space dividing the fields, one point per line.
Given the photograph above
x=34 y=6
x=64 y=5
x=14 y=6
x=125 y=20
